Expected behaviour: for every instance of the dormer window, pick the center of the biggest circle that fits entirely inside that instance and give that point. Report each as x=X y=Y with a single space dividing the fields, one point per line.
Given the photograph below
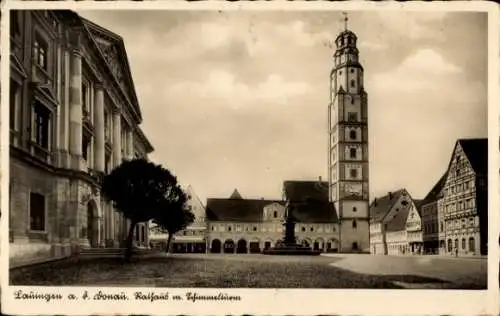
x=275 y=214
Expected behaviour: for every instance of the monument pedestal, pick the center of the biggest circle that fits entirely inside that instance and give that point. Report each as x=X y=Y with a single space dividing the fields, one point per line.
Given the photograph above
x=289 y=245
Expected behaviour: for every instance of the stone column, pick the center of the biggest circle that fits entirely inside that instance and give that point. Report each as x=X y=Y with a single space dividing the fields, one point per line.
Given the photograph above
x=75 y=109
x=99 y=150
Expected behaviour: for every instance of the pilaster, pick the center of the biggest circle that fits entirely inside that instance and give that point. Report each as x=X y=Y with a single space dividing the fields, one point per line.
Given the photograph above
x=75 y=109
x=117 y=150
x=99 y=148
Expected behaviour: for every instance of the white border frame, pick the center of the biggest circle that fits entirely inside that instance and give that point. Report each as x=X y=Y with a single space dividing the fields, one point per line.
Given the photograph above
x=270 y=301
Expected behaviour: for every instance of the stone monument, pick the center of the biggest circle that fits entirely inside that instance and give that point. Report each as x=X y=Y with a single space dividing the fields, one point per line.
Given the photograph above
x=288 y=245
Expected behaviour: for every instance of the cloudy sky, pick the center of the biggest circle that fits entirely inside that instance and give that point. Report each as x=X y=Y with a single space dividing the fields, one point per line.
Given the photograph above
x=239 y=99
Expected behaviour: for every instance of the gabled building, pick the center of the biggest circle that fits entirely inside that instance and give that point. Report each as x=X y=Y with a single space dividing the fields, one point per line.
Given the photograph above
x=238 y=225
x=193 y=238
x=463 y=208
x=189 y=240
x=74 y=116
x=430 y=217
x=395 y=225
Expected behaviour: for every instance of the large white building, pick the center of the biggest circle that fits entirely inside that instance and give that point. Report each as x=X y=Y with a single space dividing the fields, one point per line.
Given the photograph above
x=238 y=225
x=74 y=116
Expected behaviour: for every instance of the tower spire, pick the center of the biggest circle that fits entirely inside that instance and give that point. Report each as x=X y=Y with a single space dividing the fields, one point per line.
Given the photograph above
x=346 y=19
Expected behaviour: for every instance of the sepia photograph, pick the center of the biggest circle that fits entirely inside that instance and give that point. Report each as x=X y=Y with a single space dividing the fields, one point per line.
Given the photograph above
x=246 y=149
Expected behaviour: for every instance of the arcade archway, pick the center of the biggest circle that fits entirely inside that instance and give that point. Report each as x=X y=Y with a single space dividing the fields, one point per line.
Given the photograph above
x=216 y=246
x=241 y=246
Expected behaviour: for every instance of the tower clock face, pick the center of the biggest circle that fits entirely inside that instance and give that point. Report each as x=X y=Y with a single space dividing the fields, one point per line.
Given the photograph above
x=353 y=189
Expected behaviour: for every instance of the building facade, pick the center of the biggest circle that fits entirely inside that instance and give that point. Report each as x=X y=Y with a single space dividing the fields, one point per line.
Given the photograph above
x=464 y=203
x=348 y=145
x=396 y=225
x=430 y=218
x=74 y=116
x=238 y=225
x=193 y=239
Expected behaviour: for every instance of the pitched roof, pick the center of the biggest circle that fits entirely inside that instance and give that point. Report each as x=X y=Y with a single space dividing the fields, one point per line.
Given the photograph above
x=309 y=201
x=305 y=191
x=382 y=205
x=235 y=195
x=237 y=210
x=314 y=212
x=436 y=189
x=398 y=221
x=476 y=150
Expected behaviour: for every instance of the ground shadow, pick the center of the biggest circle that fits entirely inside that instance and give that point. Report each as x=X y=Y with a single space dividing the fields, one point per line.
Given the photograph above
x=186 y=272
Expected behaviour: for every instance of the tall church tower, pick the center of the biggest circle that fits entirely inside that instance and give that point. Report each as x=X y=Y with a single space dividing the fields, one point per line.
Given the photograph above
x=348 y=145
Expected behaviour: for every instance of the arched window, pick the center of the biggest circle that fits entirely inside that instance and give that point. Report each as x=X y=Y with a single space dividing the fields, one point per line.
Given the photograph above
x=229 y=228
x=354 y=224
x=352 y=134
x=456 y=243
x=463 y=243
x=450 y=246
x=303 y=229
x=312 y=228
x=275 y=214
x=472 y=244
x=353 y=83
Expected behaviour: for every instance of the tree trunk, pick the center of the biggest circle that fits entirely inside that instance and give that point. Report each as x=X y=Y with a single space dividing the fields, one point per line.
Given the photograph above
x=128 y=250
x=169 y=240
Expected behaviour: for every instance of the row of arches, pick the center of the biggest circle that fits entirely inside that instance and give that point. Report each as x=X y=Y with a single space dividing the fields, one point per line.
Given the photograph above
x=256 y=246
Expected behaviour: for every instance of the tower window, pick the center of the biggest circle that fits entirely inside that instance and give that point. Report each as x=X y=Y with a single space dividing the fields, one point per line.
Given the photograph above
x=352 y=70
x=352 y=116
x=352 y=134
x=354 y=209
x=340 y=72
x=352 y=153
x=353 y=83
x=354 y=173
x=354 y=224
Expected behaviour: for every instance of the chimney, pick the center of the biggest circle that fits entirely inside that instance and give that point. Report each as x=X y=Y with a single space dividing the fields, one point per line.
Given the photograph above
x=390 y=195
